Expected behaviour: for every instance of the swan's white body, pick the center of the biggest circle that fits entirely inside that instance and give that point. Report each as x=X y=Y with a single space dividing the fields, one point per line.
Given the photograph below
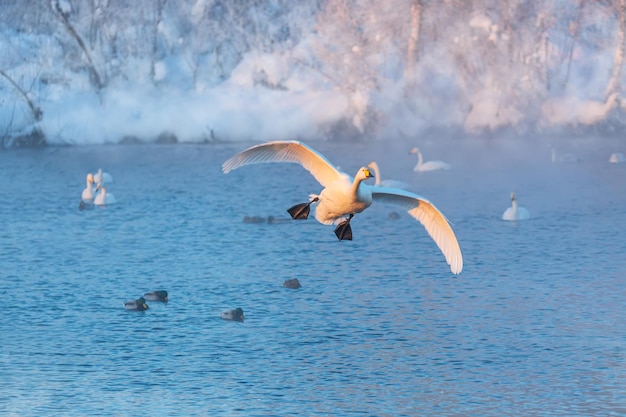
x=343 y=196
x=386 y=183
x=103 y=198
x=515 y=212
x=428 y=165
x=88 y=193
x=617 y=158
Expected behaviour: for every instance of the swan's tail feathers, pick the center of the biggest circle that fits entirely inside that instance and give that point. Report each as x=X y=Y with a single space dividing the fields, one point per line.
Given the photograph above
x=343 y=231
x=300 y=211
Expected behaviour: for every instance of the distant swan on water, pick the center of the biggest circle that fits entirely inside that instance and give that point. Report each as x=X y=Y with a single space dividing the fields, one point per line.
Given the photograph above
x=102 y=177
x=515 y=212
x=88 y=193
x=428 y=165
x=386 y=183
x=103 y=198
x=617 y=158
x=343 y=196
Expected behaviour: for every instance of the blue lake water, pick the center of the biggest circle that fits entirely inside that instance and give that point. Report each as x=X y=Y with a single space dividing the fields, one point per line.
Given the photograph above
x=534 y=325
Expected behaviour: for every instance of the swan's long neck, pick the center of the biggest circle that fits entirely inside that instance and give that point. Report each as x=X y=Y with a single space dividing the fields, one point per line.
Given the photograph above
x=374 y=166
x=514 y=204
x=355 y=187
x=420 y=159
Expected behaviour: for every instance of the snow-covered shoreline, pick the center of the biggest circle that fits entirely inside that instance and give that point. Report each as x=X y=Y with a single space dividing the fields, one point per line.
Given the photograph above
x=73 y=73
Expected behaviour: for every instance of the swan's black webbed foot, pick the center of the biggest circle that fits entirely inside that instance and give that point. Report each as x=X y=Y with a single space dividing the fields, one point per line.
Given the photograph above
x=301 y=211
x=343 y=229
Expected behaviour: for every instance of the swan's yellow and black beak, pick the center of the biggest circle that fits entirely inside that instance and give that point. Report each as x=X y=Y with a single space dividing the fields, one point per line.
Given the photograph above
x=368 y=173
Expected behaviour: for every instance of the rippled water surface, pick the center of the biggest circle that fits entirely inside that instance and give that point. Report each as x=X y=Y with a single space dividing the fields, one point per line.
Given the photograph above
x=534 y=325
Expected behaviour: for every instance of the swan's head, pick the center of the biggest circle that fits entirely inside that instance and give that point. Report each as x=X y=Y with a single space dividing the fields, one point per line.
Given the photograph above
x=90 y=179
x=363 y=174
x=513 y=197
x=413 y=151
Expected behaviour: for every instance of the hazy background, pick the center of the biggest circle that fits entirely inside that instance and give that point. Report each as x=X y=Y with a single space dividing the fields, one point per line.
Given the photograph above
x=110 y=71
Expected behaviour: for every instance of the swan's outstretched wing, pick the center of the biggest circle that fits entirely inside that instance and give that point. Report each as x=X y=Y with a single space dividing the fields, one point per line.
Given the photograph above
x=286 y=151
x=431 y=218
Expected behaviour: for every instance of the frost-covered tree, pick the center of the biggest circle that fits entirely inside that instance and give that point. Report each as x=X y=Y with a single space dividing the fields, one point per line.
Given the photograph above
x=377 y=68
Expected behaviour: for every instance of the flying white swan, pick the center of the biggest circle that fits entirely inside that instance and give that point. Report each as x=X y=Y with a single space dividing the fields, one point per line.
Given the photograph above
x=88 y=193
x=617 y=158
x=344 y=196
x=386 y=183
x=429 y=165
x=515 y=212
x=103 y=198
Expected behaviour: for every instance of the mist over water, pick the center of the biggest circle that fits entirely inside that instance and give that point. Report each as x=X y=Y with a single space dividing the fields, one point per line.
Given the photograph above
x=198 y=71
x=380 y=325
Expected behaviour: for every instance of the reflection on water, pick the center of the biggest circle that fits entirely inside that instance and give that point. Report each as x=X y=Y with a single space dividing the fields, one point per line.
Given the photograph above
x=532 y=326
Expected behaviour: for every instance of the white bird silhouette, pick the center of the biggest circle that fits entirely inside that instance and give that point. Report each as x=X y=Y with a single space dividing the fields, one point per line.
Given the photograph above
x=515 y=212
x=429 y=165
x=386 y=183
x=88 y=193
x=103 y=198
x=102 y=177
x=617 y=158
x=344 y=196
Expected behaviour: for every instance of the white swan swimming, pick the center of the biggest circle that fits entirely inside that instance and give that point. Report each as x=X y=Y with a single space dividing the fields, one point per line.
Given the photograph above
x=102 y=177
x=515 y=212
x=386 y=183
x=429 y=165
x=103 y=198
x=88 y=193
x=617 y=158
x=344 y=196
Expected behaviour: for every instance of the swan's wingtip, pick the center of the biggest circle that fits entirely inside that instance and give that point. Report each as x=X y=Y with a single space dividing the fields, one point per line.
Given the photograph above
x=456 y=269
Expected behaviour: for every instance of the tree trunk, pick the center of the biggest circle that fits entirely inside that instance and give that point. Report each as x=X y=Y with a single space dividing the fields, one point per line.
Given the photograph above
x=36 y=111
x=411 y=53
x=95 y=76
x=618 y=59
x=155 y=38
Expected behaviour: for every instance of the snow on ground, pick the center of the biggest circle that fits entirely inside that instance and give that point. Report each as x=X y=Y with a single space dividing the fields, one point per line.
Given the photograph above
x=261 y=81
